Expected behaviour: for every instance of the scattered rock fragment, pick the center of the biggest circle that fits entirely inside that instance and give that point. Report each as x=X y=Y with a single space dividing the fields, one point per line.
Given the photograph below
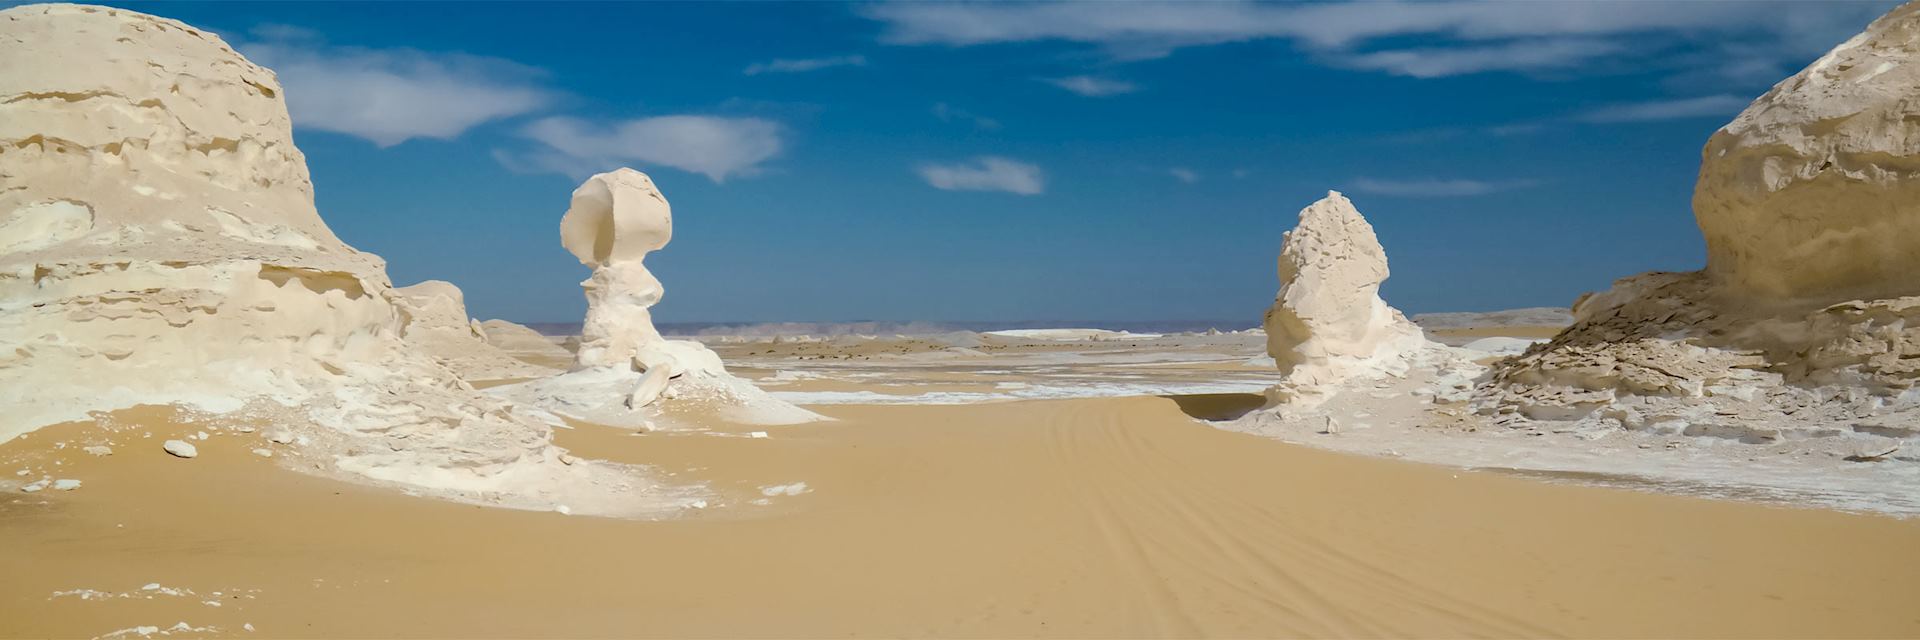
x=180 y=448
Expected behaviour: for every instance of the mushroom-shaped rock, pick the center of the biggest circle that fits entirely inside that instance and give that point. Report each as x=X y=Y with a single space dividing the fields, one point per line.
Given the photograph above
x=614 y=221
x=623 y=367
x=1328 y=322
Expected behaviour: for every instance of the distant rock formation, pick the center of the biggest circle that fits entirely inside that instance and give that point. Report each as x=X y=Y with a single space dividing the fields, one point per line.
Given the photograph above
x=1328 y=323
x=436 y=324
x=623 y=366
x=1806 y=321
x=526 y=344
x=159 y=246
x=1526 y=317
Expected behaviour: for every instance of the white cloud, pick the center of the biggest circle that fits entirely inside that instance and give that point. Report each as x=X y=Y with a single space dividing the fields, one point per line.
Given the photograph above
x=985 y=173
x=1181 y=24
x=1091 y=86
x=716 y=147
x=1526 y=55
x=1704 y=106
x=1435 y=188
x=801 y=65
x=390 y=96
x=1780 y=30
x=1184 y=174
x=947 y=113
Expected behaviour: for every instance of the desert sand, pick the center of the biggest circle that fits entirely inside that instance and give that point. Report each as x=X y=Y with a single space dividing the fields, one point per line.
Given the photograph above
x=1067 y=518
x=217 y=419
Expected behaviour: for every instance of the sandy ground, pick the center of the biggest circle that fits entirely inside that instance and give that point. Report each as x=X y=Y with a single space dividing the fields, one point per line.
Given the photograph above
x=1110 y=517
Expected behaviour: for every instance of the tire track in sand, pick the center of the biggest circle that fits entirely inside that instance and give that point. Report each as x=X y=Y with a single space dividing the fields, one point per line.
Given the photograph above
x=1178 y=527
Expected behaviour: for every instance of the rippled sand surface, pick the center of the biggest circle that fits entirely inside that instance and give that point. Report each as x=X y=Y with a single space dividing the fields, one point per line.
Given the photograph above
x=1109 y=517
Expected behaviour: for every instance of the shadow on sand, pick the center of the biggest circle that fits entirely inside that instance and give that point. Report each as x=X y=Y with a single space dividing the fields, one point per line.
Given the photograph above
x=1216 y=407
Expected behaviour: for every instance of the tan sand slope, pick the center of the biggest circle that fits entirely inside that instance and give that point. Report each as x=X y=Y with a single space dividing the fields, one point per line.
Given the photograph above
x=1080 y=518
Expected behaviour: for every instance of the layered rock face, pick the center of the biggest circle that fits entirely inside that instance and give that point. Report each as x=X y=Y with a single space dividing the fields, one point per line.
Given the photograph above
x=436 y=324
x=1328 y=323
x=159 y=245
x=158 y=225
x=623 y=367
x=1805 y=322
x=1813 y=192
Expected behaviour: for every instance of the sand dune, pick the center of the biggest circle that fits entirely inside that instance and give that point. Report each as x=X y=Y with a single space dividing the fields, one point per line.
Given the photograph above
x=1076 y=518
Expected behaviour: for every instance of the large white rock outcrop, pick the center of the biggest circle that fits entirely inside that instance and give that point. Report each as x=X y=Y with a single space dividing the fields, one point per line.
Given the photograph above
x=159 y=246
x=1813 y=192
x=1805 y=323
x=436 y=323
x=1328 y=323
x=624 y=368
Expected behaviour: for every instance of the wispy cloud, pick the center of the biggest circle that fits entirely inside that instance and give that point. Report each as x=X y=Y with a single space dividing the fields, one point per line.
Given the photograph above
x=1704 y=106
x=716 y=147
x=985 y=173
x=1336 y=31
x=1093 y=87
x=1526 y=55
x=948 y=113
x=802 y=65
x=1184 y=174
x=1435 y=188
x=389 y=96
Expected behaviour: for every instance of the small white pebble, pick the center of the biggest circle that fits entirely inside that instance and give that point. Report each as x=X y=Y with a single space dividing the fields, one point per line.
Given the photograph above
x=151 y=586
x=180 y=448
x=34 y=487
x=248 y=627
x=66 y=485
x=758 y=434
x=98 y=450
x=264 y=453
x=563 y=510
x=201 y=435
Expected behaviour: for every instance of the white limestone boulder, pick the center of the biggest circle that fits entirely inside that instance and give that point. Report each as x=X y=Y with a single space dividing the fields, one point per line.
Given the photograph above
x=1328 y=323
x=624 y=368
x=159 y=245
x=436 y=324
x=1813 y=191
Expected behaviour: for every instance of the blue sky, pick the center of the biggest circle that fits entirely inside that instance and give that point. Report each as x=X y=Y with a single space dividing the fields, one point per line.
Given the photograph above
x=1119 y=161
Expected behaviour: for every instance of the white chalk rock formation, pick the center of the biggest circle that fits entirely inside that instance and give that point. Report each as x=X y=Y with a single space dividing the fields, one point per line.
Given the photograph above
x=615 y=220
x=1806 y=321
x=623 y=366
x=1328 y=323
x=436 y=323
x=524 y=343
x=1812 y=192
x=159 y=245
